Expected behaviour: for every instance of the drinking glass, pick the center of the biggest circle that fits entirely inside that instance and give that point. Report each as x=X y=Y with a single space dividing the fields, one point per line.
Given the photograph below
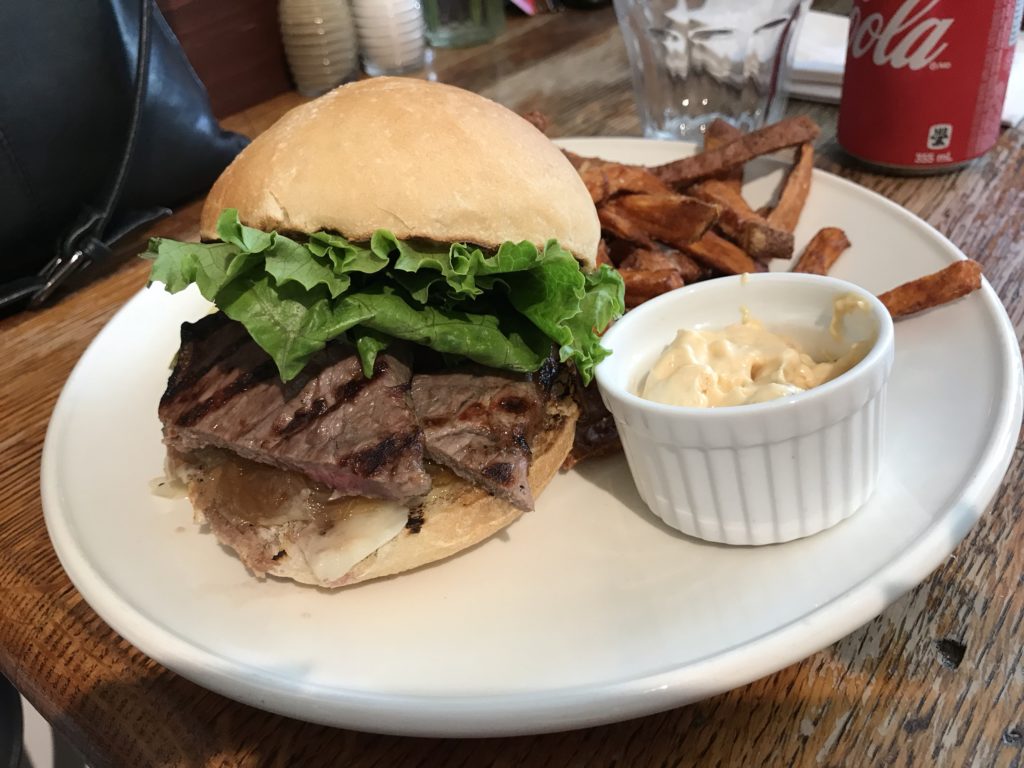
x=463 y=23
x=697 y=60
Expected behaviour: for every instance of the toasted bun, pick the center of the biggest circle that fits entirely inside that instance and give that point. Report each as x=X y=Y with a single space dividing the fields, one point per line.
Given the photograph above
x=455 y=515
x=418 y=158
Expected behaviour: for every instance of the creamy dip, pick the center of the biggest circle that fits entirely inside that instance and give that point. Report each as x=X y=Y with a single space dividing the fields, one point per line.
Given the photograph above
x=745 y=363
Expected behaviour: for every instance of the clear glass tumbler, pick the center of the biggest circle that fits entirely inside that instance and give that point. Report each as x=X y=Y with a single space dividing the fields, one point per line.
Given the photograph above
x=697 y=60
x=463 y=23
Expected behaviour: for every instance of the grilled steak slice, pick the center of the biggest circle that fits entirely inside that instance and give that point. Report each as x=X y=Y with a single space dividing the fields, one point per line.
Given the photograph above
x=357 y=435
x=596 y=434
x=479 y=425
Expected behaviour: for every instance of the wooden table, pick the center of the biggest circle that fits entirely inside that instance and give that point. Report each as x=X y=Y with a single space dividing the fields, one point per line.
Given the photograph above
x=935 y=680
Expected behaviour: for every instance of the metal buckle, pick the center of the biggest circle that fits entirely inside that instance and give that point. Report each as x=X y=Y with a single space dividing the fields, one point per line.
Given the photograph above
x=55 y=273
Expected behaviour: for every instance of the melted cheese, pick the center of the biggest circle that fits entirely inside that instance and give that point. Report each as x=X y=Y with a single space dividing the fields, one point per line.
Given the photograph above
x=356 y=533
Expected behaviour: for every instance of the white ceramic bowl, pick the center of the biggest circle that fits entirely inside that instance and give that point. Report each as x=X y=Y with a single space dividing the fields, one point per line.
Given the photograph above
x=762 y=473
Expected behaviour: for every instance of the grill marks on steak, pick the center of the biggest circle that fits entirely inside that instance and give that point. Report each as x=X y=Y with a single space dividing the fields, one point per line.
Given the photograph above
x=361 y=437
x=479 y=425
x=356 y=435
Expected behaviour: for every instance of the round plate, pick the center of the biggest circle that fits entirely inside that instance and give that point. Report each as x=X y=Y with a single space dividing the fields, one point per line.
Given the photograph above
x=588 y=610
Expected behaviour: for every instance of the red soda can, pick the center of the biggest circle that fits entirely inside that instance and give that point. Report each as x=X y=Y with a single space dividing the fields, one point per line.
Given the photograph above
x=925 y=81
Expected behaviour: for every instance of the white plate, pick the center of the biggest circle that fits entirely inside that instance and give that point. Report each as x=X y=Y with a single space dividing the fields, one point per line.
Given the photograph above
x=587 y=610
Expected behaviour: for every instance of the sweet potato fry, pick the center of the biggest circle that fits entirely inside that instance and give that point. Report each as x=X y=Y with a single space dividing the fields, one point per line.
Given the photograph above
x=675 y=220
x=956 y=280
x=576 y=160
x=786 y=213
x=718 y=253
x=717 y=133
x=618 y=249
x=689 y=269
x=647 y=260
x=537 y=119
x=642 y=284
x=822 y=251
x=738 y=222
x=786 y=133
x=664 y=258
x=719 y=192
x=596 y=182
x=633 y=179
x=622 y=226
x=605 y=179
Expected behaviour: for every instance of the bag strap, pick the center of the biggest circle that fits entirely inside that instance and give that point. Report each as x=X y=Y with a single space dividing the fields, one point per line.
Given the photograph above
x=87 y=240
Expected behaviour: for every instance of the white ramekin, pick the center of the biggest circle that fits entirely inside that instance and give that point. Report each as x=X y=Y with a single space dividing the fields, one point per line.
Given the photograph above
x=750 y=474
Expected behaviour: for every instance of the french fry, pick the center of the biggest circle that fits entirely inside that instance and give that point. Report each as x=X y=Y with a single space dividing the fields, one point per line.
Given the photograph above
x=648 y=260
x=689 y=269
x=537 y=119
x=633 y=179
x=717 y=133
x=675 y=220
x=642 y=284
x=596 y=182
x=942 y=287
x=822 y=251
x=786 y=213
x=786 y=133
x=617 y=223
x=738 y=222
x=721 y=255
x=576 y=160
x=618 y=249
x=591 y=171
x=719 y=192
x=603 y=255
x=605 y=179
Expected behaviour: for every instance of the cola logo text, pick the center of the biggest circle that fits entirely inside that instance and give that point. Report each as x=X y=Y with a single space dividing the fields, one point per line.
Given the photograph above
x=911 y=38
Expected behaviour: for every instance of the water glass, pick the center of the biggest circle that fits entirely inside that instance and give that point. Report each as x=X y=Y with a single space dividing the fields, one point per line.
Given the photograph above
x=463 y=23
x=697 y=60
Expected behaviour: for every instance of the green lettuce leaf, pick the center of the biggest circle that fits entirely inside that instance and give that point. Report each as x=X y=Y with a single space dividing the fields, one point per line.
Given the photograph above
x=503 y=309
x=248 y=239
x=478 y=337
x=291 y=324
x=369 y=344
x=289 y=261
x=603 y=302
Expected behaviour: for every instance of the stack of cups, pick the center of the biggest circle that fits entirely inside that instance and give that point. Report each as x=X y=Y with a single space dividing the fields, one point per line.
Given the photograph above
x=319 y=42
x=390 y=35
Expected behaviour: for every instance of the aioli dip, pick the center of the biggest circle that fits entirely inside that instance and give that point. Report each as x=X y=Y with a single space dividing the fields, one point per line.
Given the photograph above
x=745 y=363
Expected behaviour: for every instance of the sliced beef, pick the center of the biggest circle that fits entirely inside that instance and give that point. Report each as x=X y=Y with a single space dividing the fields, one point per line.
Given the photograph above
x=479 y=424
x=596 y=434
x=357 y=435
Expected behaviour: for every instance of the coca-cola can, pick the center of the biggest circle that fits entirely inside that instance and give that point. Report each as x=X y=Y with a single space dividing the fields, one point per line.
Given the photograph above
x=925 y=81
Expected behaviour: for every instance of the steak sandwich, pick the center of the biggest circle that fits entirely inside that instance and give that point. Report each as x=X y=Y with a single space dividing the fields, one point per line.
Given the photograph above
x=405 y=283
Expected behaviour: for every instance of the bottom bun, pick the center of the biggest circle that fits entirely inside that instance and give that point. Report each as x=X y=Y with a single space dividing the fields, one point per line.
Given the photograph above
x=354 y=540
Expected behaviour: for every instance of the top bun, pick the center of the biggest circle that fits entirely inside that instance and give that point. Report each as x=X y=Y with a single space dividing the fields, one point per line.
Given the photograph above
x=418 y=158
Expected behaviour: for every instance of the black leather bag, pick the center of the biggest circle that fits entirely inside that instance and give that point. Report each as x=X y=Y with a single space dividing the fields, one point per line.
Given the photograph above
x=103 y=126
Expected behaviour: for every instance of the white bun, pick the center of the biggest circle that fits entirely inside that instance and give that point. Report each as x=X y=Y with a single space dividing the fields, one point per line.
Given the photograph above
x=418 y=158
x=455 y=515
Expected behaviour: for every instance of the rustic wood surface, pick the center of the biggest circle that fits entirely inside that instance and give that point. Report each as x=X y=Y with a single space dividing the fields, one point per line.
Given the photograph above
x=937 y=679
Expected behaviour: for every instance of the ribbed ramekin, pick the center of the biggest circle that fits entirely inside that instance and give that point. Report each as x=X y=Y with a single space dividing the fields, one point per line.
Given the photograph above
x=751 y=474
